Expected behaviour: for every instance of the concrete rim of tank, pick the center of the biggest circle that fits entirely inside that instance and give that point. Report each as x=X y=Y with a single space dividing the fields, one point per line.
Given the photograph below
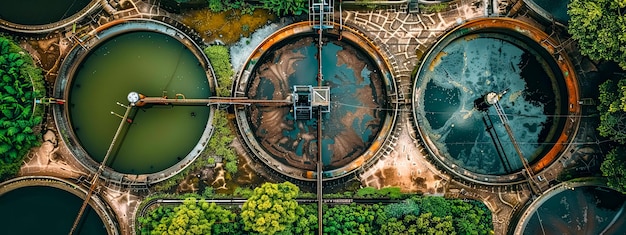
x=93 y=6
x=545 y=15
x=570 y=127
x=375 y=149
x=527 y=211
x=66 y=73
x=103 y=210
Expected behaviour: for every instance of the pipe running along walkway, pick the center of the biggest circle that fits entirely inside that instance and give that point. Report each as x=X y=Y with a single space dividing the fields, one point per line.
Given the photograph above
x=210 y=101
x=142 y=100
x=96 y=176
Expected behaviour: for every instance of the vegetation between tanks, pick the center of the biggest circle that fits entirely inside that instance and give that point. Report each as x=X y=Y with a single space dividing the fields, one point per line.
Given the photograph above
x=20 y=83
x=219 y=144
x=220 y=61
x=272 y=209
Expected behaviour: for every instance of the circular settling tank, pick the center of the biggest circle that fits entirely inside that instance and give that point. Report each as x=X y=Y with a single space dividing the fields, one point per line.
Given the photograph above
x=575 y=208
x=360 y=112
x=468 y=135
x=551 y=10
x=48 y=205
x=43 y=14
x=146 y=57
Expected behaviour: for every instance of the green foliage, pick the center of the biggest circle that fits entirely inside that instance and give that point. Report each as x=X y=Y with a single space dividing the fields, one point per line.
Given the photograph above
x=285 y=7
x=366 y=192
x=220 y=61
x=216 y=5
x=192 y=217
x=307 y=223
x=219 y=144
x=386 y=192
x=208 y=192
x=272 y=208
x=352 y=219
x=436 y=7
x=614 y=168
x=598 y=26
x=21 y=83
x=612 y=107
x=243 y=192
x=399 y=210
x=225 y=5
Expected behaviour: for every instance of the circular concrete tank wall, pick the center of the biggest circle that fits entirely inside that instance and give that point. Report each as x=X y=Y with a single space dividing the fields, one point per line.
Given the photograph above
x=361 y=114
x=538 y=92
x=48 y=205
x=41 y=16
x=144 y=56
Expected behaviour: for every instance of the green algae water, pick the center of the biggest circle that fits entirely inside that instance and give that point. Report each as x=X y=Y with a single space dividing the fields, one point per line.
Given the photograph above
x=45 y=210
x=150 y=63
x=38 y=12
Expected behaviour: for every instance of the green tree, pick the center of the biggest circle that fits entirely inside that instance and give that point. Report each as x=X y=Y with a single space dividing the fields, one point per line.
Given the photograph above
x=271 y=208
x=599 y=27
x=285 y=7
x=307 y=223
x=399 y=210
x=21 y=83
x=192 y=217
x=614 y=168
x=429 y=224
x=612 y=107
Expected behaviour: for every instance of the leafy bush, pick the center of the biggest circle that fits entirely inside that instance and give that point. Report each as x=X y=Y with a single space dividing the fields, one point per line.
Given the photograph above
x=399 y=210
x=285 y=7
x=225 y=5
x=219 y=144
x=18 y=75
x=192 y=217
x=598 y=27
x=220 y=60
x=272 y=208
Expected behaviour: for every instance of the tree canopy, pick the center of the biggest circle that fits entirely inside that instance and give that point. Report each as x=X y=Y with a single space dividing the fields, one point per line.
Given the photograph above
x=271 y=208
x=18 y=75
x=612 y=107
x=192 y=217
x=614 y=168
x=599 y=27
